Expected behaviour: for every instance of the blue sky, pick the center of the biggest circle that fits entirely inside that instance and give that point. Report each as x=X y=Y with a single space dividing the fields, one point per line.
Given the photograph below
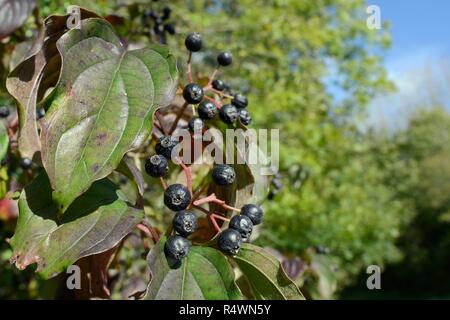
x=419 y=59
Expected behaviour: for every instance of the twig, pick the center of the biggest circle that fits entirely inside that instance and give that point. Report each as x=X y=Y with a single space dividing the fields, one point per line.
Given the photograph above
x=211 y=78
x=188 y=173
x=213 y=198
x=219 y=217
x=163 y=183
x=222 y=94
x=161 y=123
x=179 y=115
x=214 y=223
x=217 y=103
x=189 y=67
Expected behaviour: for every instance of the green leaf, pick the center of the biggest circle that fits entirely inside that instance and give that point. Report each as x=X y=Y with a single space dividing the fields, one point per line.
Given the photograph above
x=97 y=221
x=101 y=108
x=204 y=275
x=13 y=14
x=266 y=275
x=38 y=70
x=4 y=140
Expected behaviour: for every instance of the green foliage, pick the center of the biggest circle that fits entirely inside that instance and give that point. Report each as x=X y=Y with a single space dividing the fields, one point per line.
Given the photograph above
x=419 y=176
x=100 y=101
x=4 y=141
x=343 y=203
x=96 y=222
x=351 y=191
x=204 y=275
x=426 y=241
x=265 y=275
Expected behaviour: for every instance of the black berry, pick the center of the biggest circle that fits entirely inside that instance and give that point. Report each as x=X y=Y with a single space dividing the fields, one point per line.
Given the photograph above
x=177 y=197
x=177 y=247
x=228 y=113
x=156 y=166
x=207 y=110
x=254 y=212
x=272 y=194
x=4 y=112
x=193 y=42
x=240 y=101
x=230 y=241
x=245 y=117
x=219 y=85
x=277 y=183
x=169 y=28
x=26 y=163
x=223 y=175
x=185 y=223
x=196 y=125
x=40 y=113
x=243 y=225
x=322 y=250
x=193 y=93
x=165 y=146
x=224 y=59
x=166 y=13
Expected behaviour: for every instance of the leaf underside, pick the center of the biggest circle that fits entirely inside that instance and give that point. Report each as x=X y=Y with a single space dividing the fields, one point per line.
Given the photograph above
x=96 y=222
x=14 y=13
x=31 y=77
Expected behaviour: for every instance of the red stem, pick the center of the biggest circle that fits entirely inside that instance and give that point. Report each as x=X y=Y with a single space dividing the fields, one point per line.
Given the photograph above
x=189 y=68
x=211 y=78
x=217 y=103
x=149 y=231
x=214 y=223
x=213 y=198
x=179 y=115
x=219 y=217
x=208 y=199
x=222 y=94
x=188 y=173
x=163 y=183
x=161 y=123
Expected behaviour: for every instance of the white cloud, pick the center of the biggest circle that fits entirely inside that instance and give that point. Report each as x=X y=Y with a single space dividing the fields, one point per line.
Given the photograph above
x=422 y=79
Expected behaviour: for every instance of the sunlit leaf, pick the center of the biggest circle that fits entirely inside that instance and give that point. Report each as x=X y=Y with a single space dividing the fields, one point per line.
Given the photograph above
x=204 y=275
x=102 y=107
x=266 y=276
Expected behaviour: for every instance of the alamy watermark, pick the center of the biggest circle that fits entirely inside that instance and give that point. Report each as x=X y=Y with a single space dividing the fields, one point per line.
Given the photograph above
x=374 y=280
x=373 y=21
x=74 y=19
x=74 y=279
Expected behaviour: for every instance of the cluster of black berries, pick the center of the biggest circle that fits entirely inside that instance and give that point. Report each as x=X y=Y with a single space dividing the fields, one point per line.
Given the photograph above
x=207 y=109
x=161 y=26
x=178 y=198
x=276 y=186
x=240 y=229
